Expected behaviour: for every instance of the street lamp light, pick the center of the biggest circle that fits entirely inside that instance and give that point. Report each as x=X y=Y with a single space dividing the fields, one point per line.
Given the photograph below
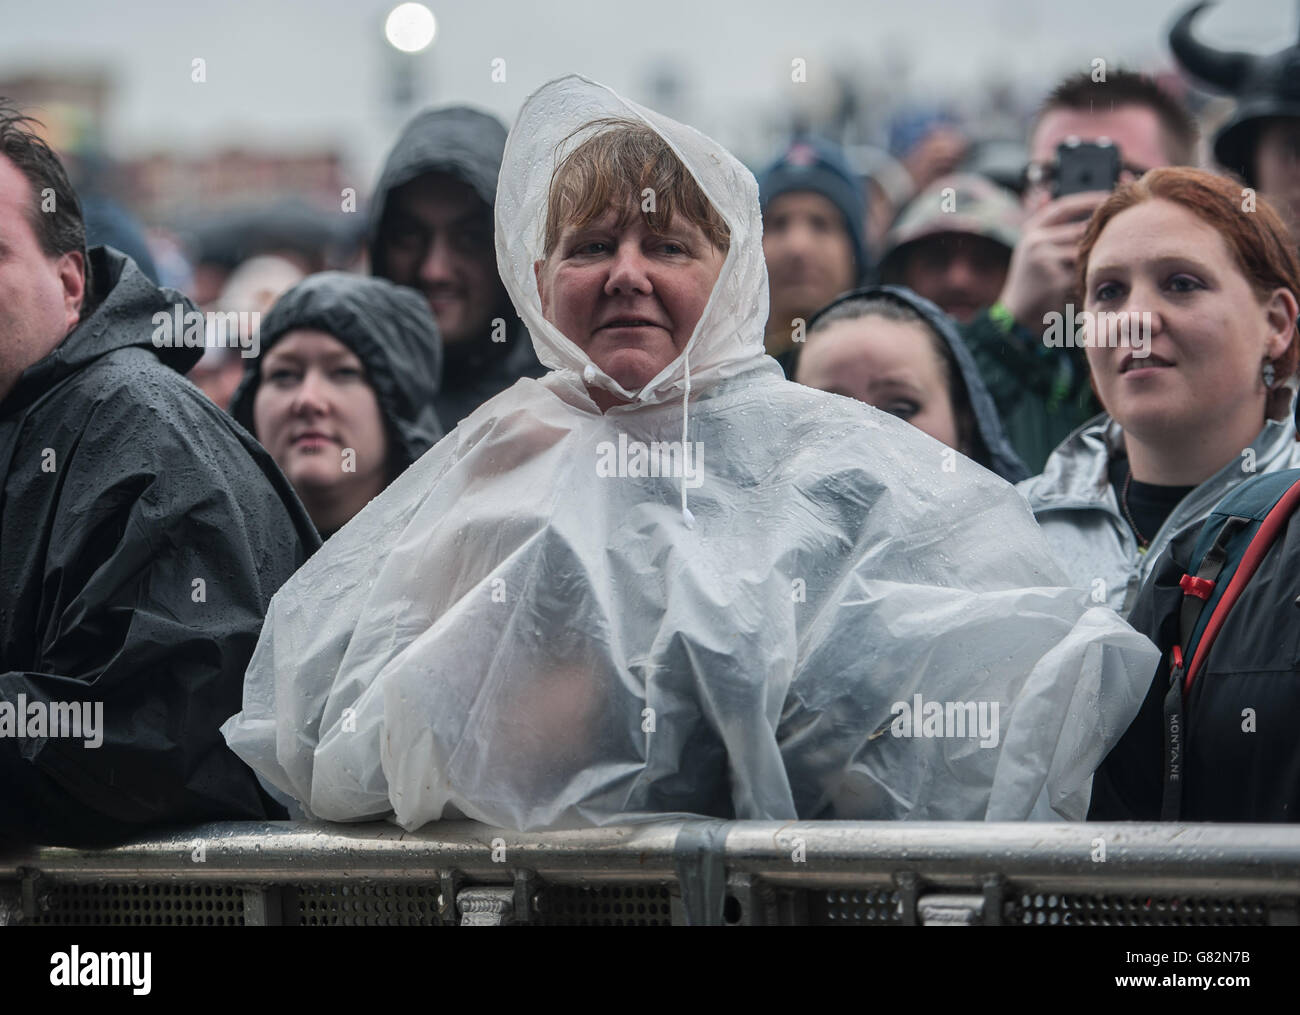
x=410 y=27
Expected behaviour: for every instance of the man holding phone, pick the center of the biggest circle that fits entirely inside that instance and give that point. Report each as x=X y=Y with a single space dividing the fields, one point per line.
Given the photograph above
x=1041 y=392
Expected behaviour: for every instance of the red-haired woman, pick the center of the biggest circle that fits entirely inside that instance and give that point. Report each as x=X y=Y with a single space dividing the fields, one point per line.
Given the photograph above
x=1196 y=405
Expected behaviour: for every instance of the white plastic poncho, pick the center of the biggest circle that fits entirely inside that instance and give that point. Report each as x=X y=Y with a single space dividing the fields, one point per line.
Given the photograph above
x=528 y=630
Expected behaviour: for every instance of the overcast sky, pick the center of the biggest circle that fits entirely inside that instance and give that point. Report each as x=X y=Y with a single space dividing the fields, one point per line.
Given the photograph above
x=303 y=72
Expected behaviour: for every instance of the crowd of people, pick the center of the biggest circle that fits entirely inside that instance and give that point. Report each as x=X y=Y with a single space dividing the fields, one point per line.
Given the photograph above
x=629 y=483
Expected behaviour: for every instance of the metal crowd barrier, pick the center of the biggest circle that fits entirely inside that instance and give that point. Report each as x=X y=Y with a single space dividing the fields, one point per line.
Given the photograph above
x=669 y=873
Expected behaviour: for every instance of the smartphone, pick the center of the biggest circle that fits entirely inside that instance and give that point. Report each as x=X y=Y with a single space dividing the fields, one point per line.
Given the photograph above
x=1084 y=166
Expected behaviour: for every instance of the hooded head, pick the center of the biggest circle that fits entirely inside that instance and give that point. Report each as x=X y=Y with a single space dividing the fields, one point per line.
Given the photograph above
x=715 y=195
x=431 y=223
x=893 y=349
x=390 y=331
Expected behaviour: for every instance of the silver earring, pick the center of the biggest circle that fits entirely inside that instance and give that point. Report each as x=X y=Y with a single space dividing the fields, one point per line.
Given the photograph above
x=1269 y=375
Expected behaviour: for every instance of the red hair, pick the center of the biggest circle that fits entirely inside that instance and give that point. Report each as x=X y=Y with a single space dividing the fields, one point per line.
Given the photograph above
x=1259 y=240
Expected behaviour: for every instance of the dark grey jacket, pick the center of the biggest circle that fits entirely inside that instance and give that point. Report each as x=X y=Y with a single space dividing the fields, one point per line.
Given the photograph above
x=468 y=145
x=1241 y=753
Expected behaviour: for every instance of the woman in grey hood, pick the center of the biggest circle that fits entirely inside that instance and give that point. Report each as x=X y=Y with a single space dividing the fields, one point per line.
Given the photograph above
x=1197 y=374
x=664 y=579
x=342 y=391
x=914 y=365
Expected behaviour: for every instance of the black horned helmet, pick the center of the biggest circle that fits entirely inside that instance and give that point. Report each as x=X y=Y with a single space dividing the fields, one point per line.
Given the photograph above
x=1264 y=86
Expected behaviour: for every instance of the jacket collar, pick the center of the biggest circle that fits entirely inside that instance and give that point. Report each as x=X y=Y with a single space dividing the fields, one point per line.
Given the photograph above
x=1076 y=474
x=123 y=304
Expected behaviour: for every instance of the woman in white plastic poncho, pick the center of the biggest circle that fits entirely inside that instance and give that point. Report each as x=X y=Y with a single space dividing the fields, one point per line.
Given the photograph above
x=560 y=617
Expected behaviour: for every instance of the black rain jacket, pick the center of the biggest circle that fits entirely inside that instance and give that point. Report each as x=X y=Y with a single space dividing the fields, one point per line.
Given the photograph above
x=142 y=535
x=467 y=145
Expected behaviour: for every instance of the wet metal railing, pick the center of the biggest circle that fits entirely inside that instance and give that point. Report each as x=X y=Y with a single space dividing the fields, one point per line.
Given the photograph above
x=670 y=872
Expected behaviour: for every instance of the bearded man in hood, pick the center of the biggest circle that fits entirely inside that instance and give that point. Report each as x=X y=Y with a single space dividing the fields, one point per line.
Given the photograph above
x=431 y=230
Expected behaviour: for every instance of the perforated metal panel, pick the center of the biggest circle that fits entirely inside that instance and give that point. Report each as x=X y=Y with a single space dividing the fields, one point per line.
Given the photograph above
x=145 y=905
x=854 y=906
x=362 y=905
x=411 y=905
x=607 y=906
x=1137 y=911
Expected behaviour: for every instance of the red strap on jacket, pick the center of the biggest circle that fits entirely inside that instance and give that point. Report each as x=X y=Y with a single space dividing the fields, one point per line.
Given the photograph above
x=1272 y=524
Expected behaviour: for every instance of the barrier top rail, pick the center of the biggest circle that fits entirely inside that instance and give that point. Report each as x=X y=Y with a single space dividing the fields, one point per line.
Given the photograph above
x=1114 y=857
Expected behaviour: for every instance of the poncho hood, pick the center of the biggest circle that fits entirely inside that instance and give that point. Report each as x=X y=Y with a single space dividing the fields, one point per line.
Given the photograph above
x=729 y=336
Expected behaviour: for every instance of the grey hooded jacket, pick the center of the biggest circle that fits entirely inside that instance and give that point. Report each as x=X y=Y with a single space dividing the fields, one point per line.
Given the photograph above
x=467 y=145
x=1078 y=511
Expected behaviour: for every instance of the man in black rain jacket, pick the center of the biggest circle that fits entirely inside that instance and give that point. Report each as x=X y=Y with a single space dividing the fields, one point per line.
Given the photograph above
x=142 y=535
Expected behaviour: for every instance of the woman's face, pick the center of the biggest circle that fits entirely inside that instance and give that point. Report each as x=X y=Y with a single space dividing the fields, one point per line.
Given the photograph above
x=629 y=296
x=1210 y=333
x=317 y=415
x=889 y=364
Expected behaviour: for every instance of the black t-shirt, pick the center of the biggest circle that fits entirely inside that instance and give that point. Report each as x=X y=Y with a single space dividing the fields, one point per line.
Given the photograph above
x=1148 y=504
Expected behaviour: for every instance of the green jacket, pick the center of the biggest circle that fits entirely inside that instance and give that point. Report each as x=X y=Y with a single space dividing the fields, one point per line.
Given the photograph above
x=1042 y=393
